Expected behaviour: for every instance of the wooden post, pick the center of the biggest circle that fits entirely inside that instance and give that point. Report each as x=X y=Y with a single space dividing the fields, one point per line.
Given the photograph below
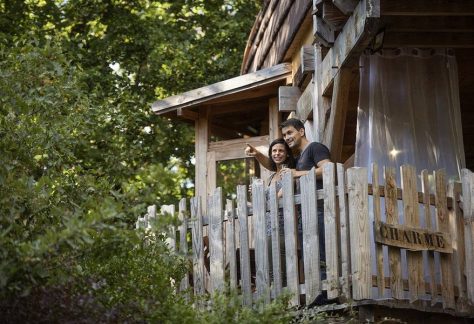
x=344 y=230
x=468 y=211
x=290 y=239
x=183 y=244
x=201 y=146
x=361 y=259
x=394 y=257
x=198 y=247
x=416 y=282
x=311 y=246
x=330 y=230
x=262 y=263
x=304 y=106
x=447 y=289
x=216 y=240
x=274 y=117
x=230 y=243
x=242 y=213
x=171 y=240
x=321 y=103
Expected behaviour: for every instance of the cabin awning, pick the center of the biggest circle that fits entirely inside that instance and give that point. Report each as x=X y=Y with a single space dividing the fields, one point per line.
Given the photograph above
x=247 y=86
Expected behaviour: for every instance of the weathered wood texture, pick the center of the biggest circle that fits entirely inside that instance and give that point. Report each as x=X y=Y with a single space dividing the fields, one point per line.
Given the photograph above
x=288 y=98
x=183 y=243
x=354 y=262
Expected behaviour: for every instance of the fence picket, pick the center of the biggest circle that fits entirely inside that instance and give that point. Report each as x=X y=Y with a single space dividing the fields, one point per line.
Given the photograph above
x=183 y=244
x=411 y=211
x=276 y=246
x=357 y=188
x=216 y=240
x=198 y=248
x=394 y=257
x=447 y=289
x=230 y=243
x=378 y=219
x=171 y=235
x=261 y=244
x=242 y=213
x=290 y=226
x=330 y=230
x=311 y=246
x=344 y=231
x=468 y=210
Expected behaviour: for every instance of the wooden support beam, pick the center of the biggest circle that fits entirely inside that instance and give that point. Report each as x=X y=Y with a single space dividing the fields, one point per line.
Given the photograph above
x=187 y=114
x=429 y=40
x=304 y=106
x=427 y=8
x=234 y=149
x=334 y=130
x=201 y=145
x=321 y=103
x=274 y=120
x=333 y=16
x=288 y=98
x=323 y=32
x=307 y=59
x=351 y=41
x=345 y=6
x=428 y=24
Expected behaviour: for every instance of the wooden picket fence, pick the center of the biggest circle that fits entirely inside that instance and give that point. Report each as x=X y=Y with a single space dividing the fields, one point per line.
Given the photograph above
x=229 y=243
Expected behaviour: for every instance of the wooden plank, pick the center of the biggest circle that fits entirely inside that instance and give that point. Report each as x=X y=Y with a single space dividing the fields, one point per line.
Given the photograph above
x=391 y=211
x=361 y=259
x=411 y=213
x=345 y=6
x=311 y=246
x=433 y=24
x=234 y=149
x=330 y=230
x=427 y=8
x=425 y=188
x=242 y=213
x=201 y=145
x=468 y=210
x=187 y=114
x=198 y=247
x=230 y=243
x=288 y=97
x=307 y=59
x=321 y=103
x=183 y=243
x=344 y=231
x=211 y=172
x=334 y=130
x=262 y=263
x=276 y=247
x=274 y=120
x=429 y=39
x=304 y=106
x=171 y=235
x=216 y=241
x=333 y=16
x=447 y=284
x=223 y=88
x=378 y=219
x=151 y=216
x=351 y=41
x=323 y=32
x=290 y=225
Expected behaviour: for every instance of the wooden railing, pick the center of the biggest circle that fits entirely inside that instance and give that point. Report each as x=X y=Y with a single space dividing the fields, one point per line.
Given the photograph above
x=382 y=241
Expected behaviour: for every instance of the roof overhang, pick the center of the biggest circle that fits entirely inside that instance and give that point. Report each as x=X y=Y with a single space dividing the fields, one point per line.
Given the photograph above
x=244 y=85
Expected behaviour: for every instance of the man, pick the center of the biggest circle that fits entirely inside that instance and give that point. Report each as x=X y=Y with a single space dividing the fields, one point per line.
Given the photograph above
x=308 y=155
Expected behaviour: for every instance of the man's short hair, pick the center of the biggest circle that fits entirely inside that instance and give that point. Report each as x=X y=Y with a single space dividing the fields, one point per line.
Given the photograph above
x=296 y=123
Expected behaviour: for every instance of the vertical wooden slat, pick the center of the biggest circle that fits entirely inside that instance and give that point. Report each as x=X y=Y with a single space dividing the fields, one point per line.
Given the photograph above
x=457 y=236
x=151 y=216
x=468 y=211
x=378 y=219
x=171 y=239
x=447 y=289
x=242 y=213
x=261 y=247
x=290 y=238
x=344 y=231
x=361 y=262
x=230 y=243
x=276 y=248
x=391 y=210
x=311 y=246
x=330 y=230
x=198 y=248
x=183 y=244
x=411 y=212
x=425 y=187
x=216 y=240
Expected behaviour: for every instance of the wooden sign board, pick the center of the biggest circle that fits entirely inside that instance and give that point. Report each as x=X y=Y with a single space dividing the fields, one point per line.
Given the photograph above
x=415 y=239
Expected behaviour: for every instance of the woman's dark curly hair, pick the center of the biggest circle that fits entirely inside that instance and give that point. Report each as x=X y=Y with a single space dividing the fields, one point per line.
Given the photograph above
x=290 y=160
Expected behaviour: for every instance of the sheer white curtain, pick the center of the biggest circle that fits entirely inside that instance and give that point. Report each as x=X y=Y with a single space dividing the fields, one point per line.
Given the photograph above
x=409 y=111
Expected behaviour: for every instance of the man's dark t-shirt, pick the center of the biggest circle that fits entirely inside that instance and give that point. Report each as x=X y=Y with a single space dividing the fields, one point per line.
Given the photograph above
x=310 y=157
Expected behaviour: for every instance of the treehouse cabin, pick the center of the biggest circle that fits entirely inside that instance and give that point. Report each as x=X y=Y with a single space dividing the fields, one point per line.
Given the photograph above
x=385 y=85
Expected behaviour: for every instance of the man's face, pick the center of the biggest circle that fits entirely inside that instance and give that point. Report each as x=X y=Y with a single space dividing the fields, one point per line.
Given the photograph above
x=292 y=136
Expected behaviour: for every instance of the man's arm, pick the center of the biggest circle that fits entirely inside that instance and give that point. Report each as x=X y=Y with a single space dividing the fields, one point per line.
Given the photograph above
x=261 y=158
x=318 y=170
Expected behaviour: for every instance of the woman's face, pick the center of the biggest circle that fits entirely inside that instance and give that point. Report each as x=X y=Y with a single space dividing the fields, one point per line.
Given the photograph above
x=279 y=153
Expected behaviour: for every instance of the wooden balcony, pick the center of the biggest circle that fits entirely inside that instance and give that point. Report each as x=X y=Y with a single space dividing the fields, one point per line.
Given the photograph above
x=386 y=243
